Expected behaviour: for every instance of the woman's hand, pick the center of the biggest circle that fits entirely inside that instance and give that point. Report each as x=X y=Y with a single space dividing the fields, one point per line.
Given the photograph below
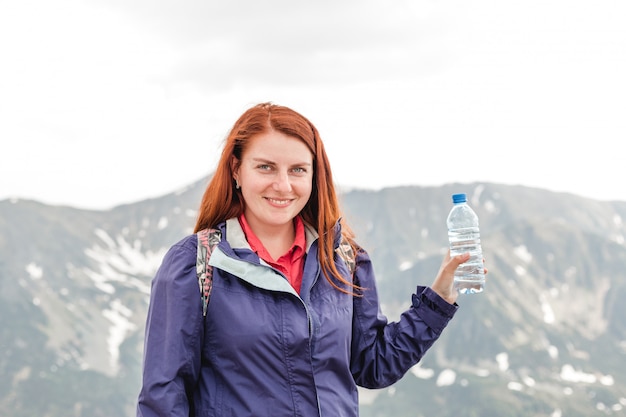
x=444 y=282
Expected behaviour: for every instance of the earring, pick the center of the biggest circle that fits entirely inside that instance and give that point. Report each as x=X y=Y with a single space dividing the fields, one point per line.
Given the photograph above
x=237 y=186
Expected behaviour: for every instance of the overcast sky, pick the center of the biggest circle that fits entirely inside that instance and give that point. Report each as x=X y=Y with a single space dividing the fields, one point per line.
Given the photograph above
x=112 y=101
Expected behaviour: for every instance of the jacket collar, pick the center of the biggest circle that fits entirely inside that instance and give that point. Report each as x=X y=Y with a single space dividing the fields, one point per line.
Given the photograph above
x=237 y=239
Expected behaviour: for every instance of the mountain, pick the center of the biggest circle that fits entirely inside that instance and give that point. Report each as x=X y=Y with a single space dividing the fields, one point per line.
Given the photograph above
x=546 y=338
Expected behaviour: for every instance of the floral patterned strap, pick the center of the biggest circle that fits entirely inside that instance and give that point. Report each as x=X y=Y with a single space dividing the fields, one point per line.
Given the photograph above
x=345 y=252
x=207 y=240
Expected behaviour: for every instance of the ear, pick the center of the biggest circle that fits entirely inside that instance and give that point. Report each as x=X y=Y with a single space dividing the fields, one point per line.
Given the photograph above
x=234 y=167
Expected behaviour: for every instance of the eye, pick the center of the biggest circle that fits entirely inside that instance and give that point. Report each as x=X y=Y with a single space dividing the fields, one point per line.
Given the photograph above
x=300 y=171
x=264 y=167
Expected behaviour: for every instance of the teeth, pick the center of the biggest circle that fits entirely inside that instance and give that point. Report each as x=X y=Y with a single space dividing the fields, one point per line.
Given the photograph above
x=279 y=202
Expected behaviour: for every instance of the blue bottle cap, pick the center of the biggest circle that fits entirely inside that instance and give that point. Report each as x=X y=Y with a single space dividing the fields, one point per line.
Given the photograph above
x=459 y=198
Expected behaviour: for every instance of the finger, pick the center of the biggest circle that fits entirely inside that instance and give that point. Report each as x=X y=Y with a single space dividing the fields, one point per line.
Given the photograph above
x=457 y=260
x=449 y=265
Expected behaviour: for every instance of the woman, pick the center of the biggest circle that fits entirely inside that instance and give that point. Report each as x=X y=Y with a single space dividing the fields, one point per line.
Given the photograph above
x=289 y=330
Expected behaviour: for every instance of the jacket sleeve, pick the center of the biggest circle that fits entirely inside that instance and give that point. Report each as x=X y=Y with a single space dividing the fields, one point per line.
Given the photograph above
x=382 y=352
x=173 y=337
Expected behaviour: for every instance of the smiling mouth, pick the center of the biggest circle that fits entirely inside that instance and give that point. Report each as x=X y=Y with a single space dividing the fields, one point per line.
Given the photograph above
x=278 y=202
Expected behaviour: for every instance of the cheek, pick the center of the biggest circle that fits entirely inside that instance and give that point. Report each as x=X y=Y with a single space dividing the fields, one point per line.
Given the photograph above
x=304 y=189
x=252 y=182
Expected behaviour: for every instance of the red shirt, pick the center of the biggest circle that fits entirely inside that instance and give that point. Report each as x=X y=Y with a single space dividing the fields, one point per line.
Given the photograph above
x=291 y=264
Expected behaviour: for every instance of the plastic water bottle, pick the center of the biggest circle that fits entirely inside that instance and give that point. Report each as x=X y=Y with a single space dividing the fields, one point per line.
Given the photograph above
x=464 y=236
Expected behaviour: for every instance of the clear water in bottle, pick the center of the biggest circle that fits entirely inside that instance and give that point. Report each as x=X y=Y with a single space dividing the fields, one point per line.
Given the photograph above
x=464 y=236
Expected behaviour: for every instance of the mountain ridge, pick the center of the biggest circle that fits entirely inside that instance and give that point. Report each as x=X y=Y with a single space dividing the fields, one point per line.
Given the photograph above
x=545 y=338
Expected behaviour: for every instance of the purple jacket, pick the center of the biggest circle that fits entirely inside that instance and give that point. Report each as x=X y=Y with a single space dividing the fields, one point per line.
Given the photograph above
x=265 y=351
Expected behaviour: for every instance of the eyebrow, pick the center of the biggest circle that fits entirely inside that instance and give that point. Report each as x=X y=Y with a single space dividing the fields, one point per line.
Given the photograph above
x=269 y=162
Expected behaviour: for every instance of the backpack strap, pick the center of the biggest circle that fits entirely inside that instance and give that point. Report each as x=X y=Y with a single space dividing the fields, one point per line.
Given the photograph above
x=345 y=252
x=207 y=240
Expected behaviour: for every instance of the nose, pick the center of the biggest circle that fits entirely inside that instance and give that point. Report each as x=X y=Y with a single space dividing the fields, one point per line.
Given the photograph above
x=282 y=183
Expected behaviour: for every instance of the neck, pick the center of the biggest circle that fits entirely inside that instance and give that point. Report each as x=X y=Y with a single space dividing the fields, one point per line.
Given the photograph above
x=276 y=239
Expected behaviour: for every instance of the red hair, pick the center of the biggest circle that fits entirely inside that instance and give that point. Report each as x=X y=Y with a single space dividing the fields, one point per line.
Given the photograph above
x=222 y=201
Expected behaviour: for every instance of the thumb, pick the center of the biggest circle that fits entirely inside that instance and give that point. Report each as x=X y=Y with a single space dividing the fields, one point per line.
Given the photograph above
x=451 y=264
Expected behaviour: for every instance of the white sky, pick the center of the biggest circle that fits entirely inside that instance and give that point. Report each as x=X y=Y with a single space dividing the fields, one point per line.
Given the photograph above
x=113 y=101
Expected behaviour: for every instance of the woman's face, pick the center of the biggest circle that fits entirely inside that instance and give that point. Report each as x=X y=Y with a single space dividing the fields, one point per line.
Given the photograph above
x=276 y=177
